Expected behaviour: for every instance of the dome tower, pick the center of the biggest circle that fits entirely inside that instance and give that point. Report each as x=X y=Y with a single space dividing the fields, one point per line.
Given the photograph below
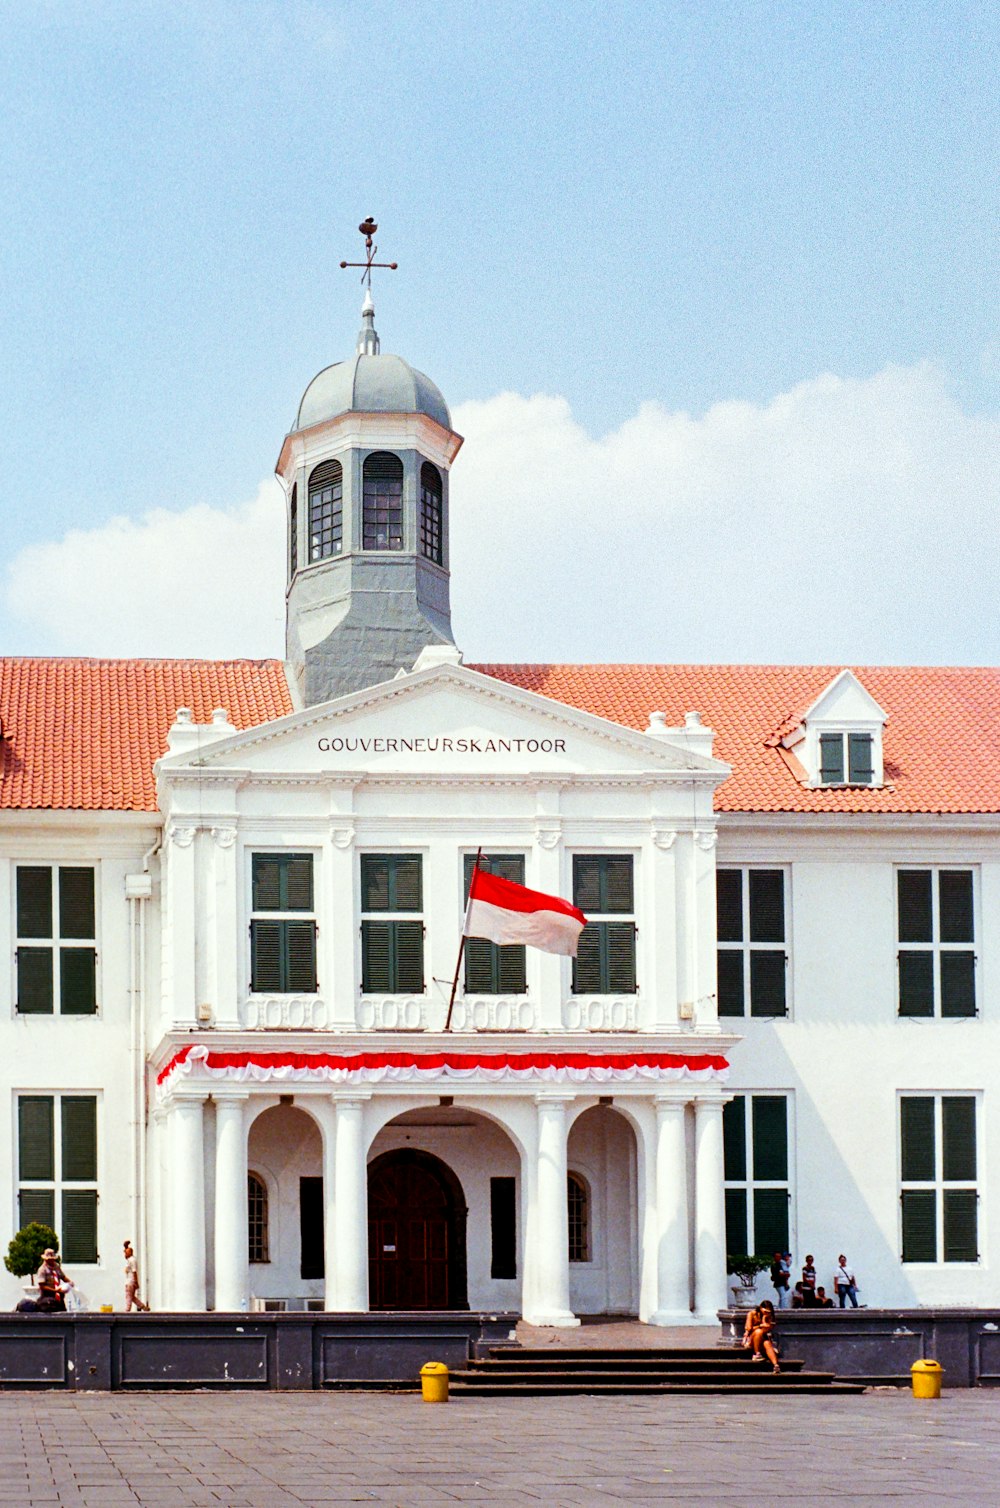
x=365 y=472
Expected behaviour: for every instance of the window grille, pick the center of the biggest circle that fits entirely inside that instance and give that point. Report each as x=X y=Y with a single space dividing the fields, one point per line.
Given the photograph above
x=857 y=768
x=935 y=911
x=382 y=505
x=56 y=944
x=293 y=532
x=392 y=937
x=605 y=957
x=431 y=514
x=755 y=1160
x=939 y=1195
x=578 y=1202
x=57 y=1169
x=326 y=511
x=283 y=925
x=257 y=1218
x=489 y=968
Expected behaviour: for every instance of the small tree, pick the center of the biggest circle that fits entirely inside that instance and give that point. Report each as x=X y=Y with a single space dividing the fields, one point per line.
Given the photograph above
x=745 y=1266
x=24 y=1254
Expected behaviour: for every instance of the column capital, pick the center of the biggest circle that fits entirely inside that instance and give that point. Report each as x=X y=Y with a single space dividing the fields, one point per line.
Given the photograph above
x=553 y=1097
x=665 y=1102
x=351 y=1099
x=230 y=1096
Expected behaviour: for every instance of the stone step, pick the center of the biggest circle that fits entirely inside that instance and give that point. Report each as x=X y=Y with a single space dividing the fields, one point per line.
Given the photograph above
x=583 y=1361
x=803 y=1383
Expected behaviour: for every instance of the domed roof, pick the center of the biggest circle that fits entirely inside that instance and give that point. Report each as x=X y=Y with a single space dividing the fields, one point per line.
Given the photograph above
x=370 y=383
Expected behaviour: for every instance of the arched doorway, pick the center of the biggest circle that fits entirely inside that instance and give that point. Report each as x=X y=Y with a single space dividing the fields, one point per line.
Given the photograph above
x=416 y=1233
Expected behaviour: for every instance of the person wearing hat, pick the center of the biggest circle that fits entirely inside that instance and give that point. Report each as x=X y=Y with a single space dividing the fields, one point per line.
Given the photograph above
x=132 y=1282
x=52 y=1284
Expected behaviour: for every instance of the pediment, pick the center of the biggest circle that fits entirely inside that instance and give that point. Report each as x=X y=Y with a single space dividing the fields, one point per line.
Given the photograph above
x=845 y=701
x=444 y=720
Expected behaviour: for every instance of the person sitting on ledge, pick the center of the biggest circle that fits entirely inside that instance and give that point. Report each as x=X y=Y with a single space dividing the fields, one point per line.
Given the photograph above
x=821 y=1300
x=52 y=1284
x=764 y=1339
x=753 y=1321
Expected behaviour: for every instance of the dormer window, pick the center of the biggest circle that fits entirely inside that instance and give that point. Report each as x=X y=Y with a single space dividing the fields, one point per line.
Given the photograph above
x=846 y=759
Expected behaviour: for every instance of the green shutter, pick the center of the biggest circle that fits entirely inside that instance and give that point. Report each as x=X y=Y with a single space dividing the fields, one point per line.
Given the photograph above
x=602 y=883
x=916 y=984
x=77 y=981
x=406 y=883
x=620 y=951
x=769 y=1116
x=913 y=896
x=767 y=905
x=297 y=882
x=734 y=1145
x=730 y=981
x=408 y=947
x=961 y=1225
x=265 y=956
x=375 y=955
x=958 y=1138
x=512 y=978
x=729 y=905
x=34 y=902
x=737 y=1238
x=860 y=766
x=503 y=1228
x=299 y=957
x=767 y=982
x=266 y=868
x=76 y=903
x=919 y=1225
x=79 y=1225
x=374 y=882
x=586 y=882
x=831 y=758
x=79 y=1138
x=34 y=982
x=618 y=889
x=36 y=1204
x=489 y=969
x=958 y=983
x=587 y=963
x=480 y=967
x=35 y=1137
x=955 y=893
x=770 y=1220
x=916 y=1126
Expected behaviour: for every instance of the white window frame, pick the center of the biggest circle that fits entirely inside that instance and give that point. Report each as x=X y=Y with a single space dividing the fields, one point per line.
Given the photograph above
x=58 y=1184
x=939 y=1185
x=56 y=942
x=746 y=946
x=264 y=849
x=748 y=1184
x=936 y=947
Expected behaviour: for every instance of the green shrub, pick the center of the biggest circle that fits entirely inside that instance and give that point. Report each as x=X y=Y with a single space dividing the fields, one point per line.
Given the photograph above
x=746 y=1267
x=24 y=1254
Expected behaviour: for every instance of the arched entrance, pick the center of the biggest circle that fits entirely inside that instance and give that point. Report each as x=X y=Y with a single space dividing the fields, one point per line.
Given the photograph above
x=416 y=1233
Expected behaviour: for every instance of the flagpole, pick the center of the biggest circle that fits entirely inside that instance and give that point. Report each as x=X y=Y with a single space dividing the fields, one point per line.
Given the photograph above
x=461 y=945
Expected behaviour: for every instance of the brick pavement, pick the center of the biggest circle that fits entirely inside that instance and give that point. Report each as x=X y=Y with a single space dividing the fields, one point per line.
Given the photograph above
x=200 y=1450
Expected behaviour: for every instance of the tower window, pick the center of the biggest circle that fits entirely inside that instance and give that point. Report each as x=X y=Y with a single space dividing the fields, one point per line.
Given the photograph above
x=293 y=532
x=431 y=509
x=382 y=523
x=326 y=511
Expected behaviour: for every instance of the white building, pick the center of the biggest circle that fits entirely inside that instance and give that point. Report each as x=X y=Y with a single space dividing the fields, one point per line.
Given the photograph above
x=233 y=895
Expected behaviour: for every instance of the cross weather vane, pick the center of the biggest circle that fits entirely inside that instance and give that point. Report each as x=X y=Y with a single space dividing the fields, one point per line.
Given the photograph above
x=368 y=229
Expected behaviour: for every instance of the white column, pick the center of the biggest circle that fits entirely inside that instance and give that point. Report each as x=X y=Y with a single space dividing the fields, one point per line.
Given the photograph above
x=672 y=1251
x=548 y=1282
x=232 y=1271
x=187 y=1202
x=348 y=1211
x=710 y=1210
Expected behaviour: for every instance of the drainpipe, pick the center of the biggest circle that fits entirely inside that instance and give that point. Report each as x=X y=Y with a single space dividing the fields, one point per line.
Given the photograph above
x=138 y=890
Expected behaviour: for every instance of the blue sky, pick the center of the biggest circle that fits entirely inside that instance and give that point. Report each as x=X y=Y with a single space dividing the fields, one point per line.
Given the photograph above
x=681 y=205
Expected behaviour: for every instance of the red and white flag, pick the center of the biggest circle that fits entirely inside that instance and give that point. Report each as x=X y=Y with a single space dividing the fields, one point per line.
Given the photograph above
x=503 y=912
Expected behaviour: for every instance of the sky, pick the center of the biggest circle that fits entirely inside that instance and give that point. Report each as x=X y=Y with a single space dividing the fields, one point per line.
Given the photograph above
x=711 y=289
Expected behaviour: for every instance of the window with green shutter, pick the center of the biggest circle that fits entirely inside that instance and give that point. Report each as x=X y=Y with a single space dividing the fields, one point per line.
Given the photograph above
x=283 y=924
x=750 y=928
x=392 y=946
x=57 y=1169
x=846 y=759
x=56 y=949
x=605 y=957
x=489 y=968
x=755 y=1166
x=939 y=1197
x=935 y=915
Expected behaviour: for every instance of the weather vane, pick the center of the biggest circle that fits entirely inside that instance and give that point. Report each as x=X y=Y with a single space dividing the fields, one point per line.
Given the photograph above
x=368 y=229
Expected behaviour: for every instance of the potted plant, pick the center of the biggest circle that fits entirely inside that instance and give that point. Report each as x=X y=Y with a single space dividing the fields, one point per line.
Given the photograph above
x=24 y=1254
x=745 y=1266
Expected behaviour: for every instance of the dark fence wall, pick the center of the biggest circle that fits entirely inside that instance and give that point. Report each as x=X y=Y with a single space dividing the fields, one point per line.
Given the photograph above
x=880 y=1345
x=146 y=1352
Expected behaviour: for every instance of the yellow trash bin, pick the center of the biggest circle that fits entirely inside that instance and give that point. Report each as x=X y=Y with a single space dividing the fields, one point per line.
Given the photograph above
x=434 y=1382
x=926 y=1377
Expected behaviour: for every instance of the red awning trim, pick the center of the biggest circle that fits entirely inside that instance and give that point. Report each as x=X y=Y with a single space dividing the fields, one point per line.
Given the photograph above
x=196 y=1062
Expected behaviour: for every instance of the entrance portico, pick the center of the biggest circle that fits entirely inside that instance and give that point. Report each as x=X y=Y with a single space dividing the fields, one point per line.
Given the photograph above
x=383 y=1122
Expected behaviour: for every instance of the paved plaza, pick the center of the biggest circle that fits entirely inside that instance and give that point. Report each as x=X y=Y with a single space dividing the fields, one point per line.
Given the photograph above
x=200 y=1450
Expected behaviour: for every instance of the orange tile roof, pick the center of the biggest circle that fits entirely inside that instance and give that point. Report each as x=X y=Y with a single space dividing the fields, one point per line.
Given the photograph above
x=83 y=734
x=940 y=739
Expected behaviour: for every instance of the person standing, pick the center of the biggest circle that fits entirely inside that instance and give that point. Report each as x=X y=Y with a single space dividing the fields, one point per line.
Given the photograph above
x=809 y=1277
x=781 y=1271
x=132 y=1282
x=845 y=1284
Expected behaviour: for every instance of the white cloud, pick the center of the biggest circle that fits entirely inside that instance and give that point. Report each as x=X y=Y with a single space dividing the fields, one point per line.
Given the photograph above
x=842 y=521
